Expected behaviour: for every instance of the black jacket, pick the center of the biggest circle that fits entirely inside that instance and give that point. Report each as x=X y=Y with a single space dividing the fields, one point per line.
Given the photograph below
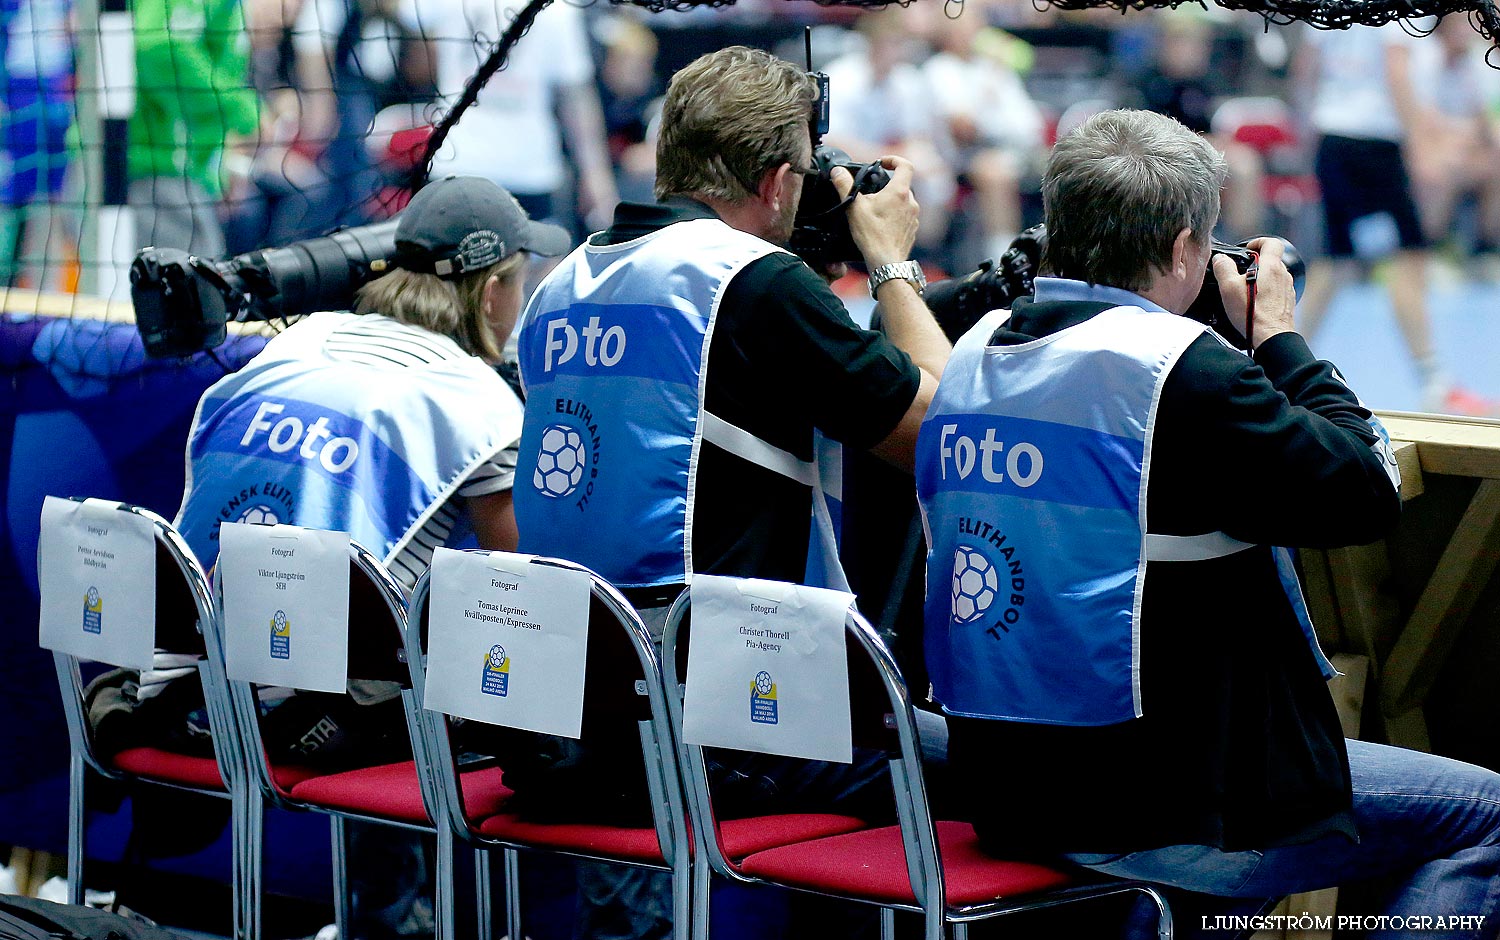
x=1239 y=745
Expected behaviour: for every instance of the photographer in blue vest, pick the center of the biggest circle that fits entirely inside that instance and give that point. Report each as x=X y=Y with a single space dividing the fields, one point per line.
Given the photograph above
x=684 y=375
x=391 y=423
x=1130 y=674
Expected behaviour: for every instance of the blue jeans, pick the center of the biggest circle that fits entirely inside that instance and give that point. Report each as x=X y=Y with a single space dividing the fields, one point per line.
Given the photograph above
x=1429 y=836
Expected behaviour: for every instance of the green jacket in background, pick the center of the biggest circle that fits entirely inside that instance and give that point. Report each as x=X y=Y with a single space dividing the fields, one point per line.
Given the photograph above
x=192 y=88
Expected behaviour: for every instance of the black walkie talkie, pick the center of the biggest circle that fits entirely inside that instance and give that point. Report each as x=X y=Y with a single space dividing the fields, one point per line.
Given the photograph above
x=820 y=121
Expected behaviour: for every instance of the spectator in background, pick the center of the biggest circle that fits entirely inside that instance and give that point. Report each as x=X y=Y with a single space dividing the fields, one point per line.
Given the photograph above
x=1362 y=102
x=35 y=104
x=879 y=103
x=325 y=68
x=512 y=133
x=1459 y=158
x=195 y=117
x=1179 y=82
x=993 y=135
x=630 y=92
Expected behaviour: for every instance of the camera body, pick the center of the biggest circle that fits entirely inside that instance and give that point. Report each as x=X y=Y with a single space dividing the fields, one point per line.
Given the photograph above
x=821 y=235
x=182 y=302
x=958 y=303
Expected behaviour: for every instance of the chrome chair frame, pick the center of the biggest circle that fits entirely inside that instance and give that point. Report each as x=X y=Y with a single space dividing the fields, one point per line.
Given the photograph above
x=245 y=709
x=914 y=813
x=228 y=748
x=663 y=781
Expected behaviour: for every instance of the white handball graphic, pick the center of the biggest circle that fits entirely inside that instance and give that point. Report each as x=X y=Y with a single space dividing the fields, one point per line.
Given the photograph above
x=975 y=585
x=259 y=514
x=763 y=682
x=559 y=463
x=497 y=657
x=278 y=623
x=91 y=599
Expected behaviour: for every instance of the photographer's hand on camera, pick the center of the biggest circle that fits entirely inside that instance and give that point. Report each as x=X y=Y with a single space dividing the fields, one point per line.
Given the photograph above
x=884 y=223
x=1275 y=296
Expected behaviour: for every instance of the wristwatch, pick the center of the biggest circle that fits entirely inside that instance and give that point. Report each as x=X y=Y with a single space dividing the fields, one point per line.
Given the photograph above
x=903 y=270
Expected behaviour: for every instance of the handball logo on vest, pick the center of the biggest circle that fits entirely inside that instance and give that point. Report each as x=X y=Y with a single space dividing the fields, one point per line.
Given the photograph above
x=559 y=462
x=335 y=454
x=975 y=584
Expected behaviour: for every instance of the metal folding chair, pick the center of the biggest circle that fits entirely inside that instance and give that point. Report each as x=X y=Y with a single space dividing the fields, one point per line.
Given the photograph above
x=392 y=794
x=187 y=621
x=933 y=868
x=621 y=647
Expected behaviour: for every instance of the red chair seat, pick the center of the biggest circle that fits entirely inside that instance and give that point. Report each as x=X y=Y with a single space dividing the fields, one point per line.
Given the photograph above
x=871 y=864
x=636 y=845
x=153 y=763
x=742 y=837
x=392 y=791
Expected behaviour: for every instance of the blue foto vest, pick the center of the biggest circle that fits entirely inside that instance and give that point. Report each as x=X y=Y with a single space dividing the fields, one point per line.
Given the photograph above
x=1033 y=465
x=297 y=437
x=614 y=349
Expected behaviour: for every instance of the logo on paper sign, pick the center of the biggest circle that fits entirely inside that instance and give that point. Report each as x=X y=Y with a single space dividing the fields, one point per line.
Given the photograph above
x=560 y=462
x=763 y=699
x=496 y=672
x=281 y=636
x=93 y=611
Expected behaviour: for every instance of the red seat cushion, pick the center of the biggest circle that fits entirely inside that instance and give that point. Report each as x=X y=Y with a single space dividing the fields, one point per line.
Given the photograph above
x=288 y=776
x=153 y=763
x=871 y=864
x=392 y=791
x=742 y=837
x=636 y=845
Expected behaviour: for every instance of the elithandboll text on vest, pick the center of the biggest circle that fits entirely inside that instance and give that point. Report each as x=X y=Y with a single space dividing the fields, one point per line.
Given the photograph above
x=600 y=346
x=964 y=454
x=335 y=454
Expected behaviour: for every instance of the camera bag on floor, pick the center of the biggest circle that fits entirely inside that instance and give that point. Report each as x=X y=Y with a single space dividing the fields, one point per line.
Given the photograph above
x=31 y=919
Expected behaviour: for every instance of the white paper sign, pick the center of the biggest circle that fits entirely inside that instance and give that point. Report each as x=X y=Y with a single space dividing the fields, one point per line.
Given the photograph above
x=96 y=565
x=766 y=669
x=286 y=605
x=506 y=641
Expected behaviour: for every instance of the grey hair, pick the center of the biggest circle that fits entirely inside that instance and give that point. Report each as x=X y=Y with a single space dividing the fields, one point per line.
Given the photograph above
x=1118 y=190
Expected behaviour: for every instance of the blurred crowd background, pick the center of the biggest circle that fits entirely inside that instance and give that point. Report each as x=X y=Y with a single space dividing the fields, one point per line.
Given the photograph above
x=259 y=122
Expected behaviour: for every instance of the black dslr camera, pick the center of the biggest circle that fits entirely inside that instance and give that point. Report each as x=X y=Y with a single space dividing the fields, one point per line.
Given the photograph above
x=820 y=235
x=958 y=303
x=182 y=302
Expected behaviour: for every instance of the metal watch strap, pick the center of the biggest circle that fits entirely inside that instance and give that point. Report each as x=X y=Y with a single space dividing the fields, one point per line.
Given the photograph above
x=909 y=271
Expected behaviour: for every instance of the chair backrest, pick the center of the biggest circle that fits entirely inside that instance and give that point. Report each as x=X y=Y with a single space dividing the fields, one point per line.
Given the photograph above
x=882 y=719
x=1264 y=124
x=187 y=619
x=622 y=680
x=376 y=632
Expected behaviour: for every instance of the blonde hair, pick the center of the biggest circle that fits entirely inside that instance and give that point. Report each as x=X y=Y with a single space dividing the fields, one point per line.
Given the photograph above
x=728 y=117
x=453 y=308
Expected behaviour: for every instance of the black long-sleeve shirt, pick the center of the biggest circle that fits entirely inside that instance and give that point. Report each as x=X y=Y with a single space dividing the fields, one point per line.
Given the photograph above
x=1239 y=744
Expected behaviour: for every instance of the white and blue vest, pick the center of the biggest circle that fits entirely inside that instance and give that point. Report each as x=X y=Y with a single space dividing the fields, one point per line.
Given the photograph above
x=614 y=356
x=299 y=437
x=1033 y=465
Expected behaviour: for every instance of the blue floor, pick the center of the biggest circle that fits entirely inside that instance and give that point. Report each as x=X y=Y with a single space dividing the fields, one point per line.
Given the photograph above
x=1360 y=336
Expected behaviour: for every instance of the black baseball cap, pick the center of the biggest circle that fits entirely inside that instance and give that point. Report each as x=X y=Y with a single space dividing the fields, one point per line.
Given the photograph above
x=466 y=223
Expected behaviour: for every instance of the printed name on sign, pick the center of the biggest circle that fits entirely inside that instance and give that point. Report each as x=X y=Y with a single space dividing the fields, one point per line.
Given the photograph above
x=96 y=566
x=526 y=624
x=286 y=605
